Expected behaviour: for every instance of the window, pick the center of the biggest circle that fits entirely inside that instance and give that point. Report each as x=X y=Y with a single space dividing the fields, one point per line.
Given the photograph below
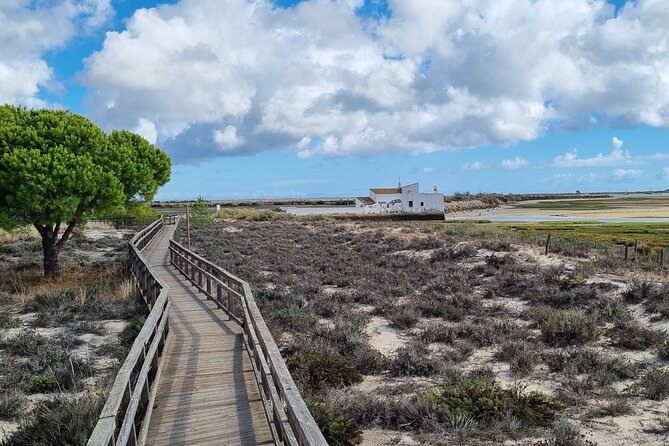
x=411 y=204
x=422 y=204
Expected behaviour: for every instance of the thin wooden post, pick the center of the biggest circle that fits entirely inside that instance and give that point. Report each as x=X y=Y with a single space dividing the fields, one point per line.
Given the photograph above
x=188 y=224
x=548 y=243
x=661 y=257
x=635 y=243
x=626 y=251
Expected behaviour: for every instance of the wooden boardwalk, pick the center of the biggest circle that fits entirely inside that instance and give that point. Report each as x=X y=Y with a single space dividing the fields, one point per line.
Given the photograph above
x=207 y=393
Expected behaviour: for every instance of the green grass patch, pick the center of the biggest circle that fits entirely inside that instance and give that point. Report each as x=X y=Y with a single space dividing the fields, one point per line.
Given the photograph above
x=651 y=235
x=570 y=205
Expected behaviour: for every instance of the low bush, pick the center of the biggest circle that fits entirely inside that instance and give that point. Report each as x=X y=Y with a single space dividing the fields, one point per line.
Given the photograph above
x=486 y=402
x=61 y=421
x=663 y=351
x=631 y=336
x=564 y=433
x=655 y=383
x=402 y=316
x=412 y=360
x=639 y=291
x=613 y=407
x=601 y=369
x=315 y=371
x=522 y=357
x=12 y=403
x=338 y=428
x=560 y=328
x=127 y=336
x=7 y=320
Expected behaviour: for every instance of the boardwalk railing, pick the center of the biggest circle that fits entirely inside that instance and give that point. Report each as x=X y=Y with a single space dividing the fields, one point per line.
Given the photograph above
x=290 y=419
x=124 y=417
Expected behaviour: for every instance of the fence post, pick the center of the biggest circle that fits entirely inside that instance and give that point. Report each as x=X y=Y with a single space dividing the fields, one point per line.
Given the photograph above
x=548 y=243
x=635 y=243
x=661 y=257
x=626 y=251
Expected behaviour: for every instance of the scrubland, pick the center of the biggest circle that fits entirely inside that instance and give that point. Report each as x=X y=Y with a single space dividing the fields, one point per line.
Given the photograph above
x=62 y=339
x=458 y=334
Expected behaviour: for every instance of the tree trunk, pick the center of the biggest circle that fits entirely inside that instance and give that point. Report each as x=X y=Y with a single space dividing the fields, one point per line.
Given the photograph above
x=51 y=250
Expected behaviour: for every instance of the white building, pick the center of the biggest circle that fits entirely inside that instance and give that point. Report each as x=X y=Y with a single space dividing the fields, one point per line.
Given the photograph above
x=402 y=199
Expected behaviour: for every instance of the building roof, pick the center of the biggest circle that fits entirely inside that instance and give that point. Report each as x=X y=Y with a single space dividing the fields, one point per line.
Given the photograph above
x=387 y=190
x=365 y=200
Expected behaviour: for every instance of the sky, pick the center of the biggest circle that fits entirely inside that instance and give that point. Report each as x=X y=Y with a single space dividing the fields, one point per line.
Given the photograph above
x=328 y=98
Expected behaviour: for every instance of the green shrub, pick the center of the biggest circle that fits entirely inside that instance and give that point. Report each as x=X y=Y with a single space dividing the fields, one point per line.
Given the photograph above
x=316 y=371
x=200 y=214
x=43 y=384
x=338 y=428
x=61 y=421
x=487 y=402
x=655 y=383
x=295 y=318
x=568 y=327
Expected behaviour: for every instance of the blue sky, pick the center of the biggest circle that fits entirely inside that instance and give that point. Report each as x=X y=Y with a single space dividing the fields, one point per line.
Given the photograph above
x=328 y=98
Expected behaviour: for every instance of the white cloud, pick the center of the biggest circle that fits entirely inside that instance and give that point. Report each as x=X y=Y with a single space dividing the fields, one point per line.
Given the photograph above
x=147 y=129
x=476 y=165
x=514 y=163
x=228 y=139
x=626 y=175
x=30 y=29
x=616 y=157
x=435 y=76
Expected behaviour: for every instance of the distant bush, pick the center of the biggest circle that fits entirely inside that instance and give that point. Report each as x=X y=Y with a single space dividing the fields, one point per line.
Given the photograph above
x=522 y=357
x=565 y=433
x=315 y=371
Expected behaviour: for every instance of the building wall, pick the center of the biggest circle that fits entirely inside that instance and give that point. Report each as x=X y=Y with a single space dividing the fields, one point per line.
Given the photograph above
x=421 y=202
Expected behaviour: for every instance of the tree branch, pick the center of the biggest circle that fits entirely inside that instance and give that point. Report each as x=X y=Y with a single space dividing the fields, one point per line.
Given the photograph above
x=67 y=233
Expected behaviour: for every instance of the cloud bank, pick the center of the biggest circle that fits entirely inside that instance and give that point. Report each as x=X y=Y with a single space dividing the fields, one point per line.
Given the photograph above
x=29 y=29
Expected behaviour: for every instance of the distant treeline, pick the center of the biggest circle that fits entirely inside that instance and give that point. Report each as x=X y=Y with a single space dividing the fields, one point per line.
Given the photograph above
x=264 y=203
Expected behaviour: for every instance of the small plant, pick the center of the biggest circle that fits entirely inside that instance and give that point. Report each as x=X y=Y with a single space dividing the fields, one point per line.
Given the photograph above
x=338 y=428
x=522 y=357
x=7 y=320
x=43 y=384
x=565 y=433
x=614 y=407
x=12 y=403
x=655 y=383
